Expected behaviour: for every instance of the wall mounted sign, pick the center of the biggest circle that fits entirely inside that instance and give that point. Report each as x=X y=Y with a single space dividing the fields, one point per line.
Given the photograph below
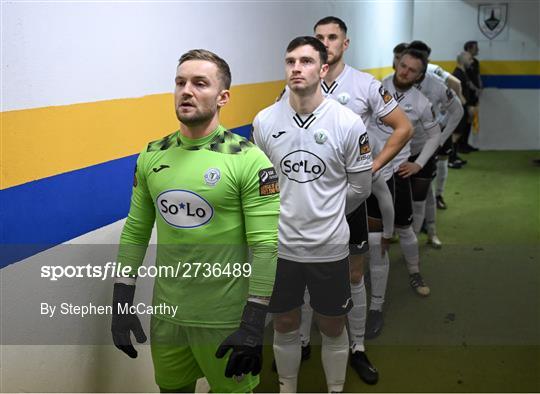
x=492 y=19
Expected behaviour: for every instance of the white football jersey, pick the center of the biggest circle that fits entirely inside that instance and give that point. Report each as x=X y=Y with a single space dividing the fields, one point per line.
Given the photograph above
x=437 y=71
x=360 y=92
x=439 y=95
x=418 y=109
x=312 y=155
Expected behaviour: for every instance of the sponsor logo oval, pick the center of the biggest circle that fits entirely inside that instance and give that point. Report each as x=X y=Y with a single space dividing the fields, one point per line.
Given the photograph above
x=184 y=208
x=302 y=166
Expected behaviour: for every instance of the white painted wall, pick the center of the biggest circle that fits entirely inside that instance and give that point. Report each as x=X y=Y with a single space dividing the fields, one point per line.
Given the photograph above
x=447 y=25
x=509 y=118
x=63 y=53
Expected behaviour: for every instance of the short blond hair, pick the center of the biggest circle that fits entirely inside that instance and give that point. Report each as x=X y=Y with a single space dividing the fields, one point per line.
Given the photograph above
x=224 y=72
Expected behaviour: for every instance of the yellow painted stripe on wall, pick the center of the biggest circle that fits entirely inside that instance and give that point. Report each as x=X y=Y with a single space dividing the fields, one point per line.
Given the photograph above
x=380 y=72
x=42 y=142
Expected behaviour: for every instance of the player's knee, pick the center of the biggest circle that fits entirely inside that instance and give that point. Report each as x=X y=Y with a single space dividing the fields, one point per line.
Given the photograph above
x=331 y=326
x=287 y=322
x=375 y=225
x=356 y=267
x=356 y=277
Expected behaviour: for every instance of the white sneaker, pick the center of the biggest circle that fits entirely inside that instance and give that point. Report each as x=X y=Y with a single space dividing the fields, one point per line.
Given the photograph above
x=417 y=283
x=434 y=241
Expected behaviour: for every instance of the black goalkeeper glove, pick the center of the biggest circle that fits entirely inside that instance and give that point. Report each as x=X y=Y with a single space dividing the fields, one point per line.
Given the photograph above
x=246 y=342
x=123 y=323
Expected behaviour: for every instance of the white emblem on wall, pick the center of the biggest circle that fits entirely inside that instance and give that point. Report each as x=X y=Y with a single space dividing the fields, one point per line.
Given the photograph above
x=212 y=176
x=492 y=19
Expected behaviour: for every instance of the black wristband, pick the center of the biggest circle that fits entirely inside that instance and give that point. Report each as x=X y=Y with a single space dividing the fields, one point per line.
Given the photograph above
x=122 y=294
x=254 y=315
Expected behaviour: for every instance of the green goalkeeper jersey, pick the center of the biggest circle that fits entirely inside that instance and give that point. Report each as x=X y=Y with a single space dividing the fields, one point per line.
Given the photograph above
x=215 y=202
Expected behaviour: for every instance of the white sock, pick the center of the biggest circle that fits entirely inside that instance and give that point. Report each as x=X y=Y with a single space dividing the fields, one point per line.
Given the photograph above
x=378 y=268
x=202 y=385
x=357 y=316
x=334 y=354
x=307 y=317
x=442 y=174
x=419 y=212
x=409 y=247
x=287 y=354
x=431 y=215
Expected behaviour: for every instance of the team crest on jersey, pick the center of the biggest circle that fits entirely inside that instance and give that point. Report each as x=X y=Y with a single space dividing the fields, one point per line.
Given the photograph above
x=320 y=136
x=407 y=107
x=364 y=144
x=184 y=208
x=212 y=176
x=386 y=96
x=343 y=98
x=449 y=94
x=268 y=182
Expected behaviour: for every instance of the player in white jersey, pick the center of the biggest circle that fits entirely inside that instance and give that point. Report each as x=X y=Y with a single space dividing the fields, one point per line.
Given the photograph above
x=363 y=94
x=448 y=79
x=322 y=154
x=411 y=162
x=443 y=101
x=447 y=148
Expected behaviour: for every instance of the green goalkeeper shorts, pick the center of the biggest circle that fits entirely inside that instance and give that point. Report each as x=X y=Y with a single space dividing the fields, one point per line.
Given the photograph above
x=183 y=354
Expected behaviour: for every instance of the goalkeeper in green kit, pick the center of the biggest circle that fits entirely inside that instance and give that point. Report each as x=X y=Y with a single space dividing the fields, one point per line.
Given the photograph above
x=214 y=197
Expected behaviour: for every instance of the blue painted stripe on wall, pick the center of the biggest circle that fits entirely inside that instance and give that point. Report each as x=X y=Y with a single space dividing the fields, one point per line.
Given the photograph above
x=47 y=212
x=511 y=81
x=41 y=214
x=244 y=131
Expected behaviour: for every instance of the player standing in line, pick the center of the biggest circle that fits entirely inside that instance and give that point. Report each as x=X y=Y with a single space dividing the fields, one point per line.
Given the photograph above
x=211 y=193
x=363 y=94
x=321 y=150
x=447 y=78
x=448 y=145
x=476 y=86
x=443 y=101
x=455 y=84
x=411 y=166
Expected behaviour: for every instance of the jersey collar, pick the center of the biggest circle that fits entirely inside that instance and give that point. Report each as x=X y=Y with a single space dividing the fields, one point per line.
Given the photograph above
x=329 y=89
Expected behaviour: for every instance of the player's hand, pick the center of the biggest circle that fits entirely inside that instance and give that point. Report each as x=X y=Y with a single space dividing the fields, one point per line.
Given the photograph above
x=123 y=324
x=385 y=245
x=245 y=343
x=407 y=169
